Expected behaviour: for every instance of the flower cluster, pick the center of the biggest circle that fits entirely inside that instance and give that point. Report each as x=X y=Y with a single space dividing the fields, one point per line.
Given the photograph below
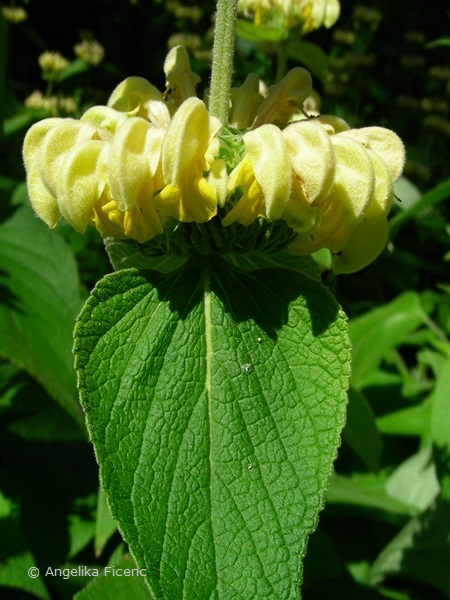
x=306 y=15
x=147 y=158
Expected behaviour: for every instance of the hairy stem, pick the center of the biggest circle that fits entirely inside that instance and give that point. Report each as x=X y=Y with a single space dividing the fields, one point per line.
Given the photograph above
x=222 y=62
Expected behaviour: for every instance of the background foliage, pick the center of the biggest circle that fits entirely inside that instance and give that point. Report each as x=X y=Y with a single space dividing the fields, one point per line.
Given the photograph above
x=385 y=531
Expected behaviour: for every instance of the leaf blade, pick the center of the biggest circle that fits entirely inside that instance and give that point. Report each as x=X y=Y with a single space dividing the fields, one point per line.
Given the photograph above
x=209 y=458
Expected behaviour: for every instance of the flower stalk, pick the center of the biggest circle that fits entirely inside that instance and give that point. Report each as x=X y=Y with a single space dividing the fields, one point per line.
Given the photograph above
x=222 y=61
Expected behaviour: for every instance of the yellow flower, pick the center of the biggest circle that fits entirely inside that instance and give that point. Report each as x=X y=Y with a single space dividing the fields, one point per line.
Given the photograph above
x=134 y=176
x=90 y=51
x=134 y=166
x=14 y=14
x=188 y=150
x=46 y=146
x=284 y=98
x=245 y=101
x=137 y=97
x=52 y=62
x=306 y=15
x=181 y=81
x=263 y=175
x=353 y=221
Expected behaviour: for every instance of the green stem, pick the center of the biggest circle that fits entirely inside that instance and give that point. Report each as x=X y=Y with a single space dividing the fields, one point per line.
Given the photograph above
x=222 y=62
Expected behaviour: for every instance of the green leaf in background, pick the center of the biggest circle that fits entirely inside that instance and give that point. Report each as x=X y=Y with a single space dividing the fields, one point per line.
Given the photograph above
x=15 y=556
x=214 y=398
x=378 y=331
x=111 y=587
x=414 y=420
x=365 y=490
x=39 y=301
x=437 y=194
x=105 y=526
x=421 y=551
x=360 y=432
x=440 y=428
x=414 y=481
x=440 y=42
x=2 y=71
x=310 y=56
x=259 y=33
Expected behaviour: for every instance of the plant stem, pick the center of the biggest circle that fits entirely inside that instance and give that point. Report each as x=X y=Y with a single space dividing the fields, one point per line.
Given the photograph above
x=222 y=62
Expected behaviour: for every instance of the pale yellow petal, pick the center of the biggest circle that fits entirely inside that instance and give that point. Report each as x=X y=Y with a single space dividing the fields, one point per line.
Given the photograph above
x=382 y=196
x=56 y=144
x=331 y=123
x=192 y=199
x=43 y=202
x=284 y=98
x=386 y=143
x=249 y=207
x=312 y=158
x=104 y=117
x=245 y=101
x=179 y=77
x=332 y=12
x=218 y=179
x=136 y=96
x=187 y=139
x=108 y=219
x=142 y=223
x=34 y=137
x=366 y=243
x=134 y=158
x=268 y=155
x=354 y=176
x=81 y=182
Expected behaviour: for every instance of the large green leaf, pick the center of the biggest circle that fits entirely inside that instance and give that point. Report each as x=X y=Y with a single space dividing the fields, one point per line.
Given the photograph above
x=39 y=301
x=215 y=399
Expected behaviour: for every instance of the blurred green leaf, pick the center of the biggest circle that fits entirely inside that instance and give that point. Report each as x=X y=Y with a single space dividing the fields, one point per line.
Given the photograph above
x=310 y=56
x=39 y=303
x=440 y=428
x=365 y=491
x=407 y=193
x=436 y=195
x=105 y=525
x=379 y=330
x=110 y=587
x=2 y=72
x=76 y=67
x=414 y=420
x=421 y=551
x=414 y=481
x=439 y=42
x=361 y=432
x=322 y=559
x=23 y=119
x=15 y=555
x=259 y=33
